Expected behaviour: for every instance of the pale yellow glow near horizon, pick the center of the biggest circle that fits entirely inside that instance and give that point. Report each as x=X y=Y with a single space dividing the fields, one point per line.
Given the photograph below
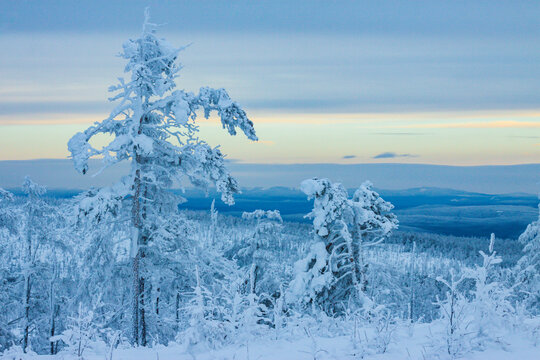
x=450 y=138
x=314 y=118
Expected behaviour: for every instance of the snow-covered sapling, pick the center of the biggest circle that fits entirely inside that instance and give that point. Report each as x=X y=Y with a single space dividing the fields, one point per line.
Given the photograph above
x=454 y=312
x=490 y=305
x=207 y=324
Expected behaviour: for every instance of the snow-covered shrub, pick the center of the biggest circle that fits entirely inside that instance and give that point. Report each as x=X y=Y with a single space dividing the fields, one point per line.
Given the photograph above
x=490 y=305
x=209 y=321
x=373 y=328
x=82 y=333
x=480 y=315
x=455 y=316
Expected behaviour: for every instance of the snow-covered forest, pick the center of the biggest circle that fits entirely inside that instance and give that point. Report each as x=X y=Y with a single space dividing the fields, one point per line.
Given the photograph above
x=120 y=272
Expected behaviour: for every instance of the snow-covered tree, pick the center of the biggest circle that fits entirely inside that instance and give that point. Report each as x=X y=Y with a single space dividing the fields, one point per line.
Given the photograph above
x=335 y=268
x=8 y=226
x=33 y=238
x=371 y=223
x=528 y=266
x=319 y=277
x=257 y=253
x=153 y=127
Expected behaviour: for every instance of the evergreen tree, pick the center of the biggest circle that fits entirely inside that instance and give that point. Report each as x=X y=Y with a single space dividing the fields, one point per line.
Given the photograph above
x=154 y=128
x=334 y=270
x=258 y=254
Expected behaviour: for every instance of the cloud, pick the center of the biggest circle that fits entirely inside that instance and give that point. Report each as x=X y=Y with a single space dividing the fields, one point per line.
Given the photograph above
x=392 y=155
x=349 y=157
x=265 y=142
x=55 y=107
x=523 y=137
x=400 y=133
x=478 y=125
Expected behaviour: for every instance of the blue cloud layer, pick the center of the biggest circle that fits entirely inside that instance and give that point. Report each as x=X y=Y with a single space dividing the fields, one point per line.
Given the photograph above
x=392 y=155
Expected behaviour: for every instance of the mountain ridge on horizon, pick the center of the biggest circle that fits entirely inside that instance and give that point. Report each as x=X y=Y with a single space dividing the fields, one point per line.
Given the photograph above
x=484 y=179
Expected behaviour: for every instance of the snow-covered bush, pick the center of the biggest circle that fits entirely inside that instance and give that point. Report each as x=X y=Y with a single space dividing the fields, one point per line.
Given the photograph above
x=490 y=305
x=480 y=315
x=82 y=333
x=455 y=315
x=209 y=320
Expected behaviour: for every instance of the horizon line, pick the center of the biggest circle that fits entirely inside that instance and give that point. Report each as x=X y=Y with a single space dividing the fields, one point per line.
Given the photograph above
x=238 y=162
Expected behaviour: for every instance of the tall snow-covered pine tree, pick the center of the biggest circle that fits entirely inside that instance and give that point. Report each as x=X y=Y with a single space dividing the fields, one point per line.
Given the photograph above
x=153 y=128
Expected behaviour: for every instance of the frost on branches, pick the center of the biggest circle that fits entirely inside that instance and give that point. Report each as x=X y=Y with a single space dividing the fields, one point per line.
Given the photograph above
x=476 y=316
x=5 y=195
x=153 y=127
x=257 y=254
x=334 y=271
x=529 y=266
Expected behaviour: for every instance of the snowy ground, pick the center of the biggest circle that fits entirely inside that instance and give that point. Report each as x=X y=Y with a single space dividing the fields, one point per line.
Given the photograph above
x=417 y=343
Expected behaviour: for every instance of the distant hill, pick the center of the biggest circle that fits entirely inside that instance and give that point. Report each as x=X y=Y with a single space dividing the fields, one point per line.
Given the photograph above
x=444 y=211
x=500 y=179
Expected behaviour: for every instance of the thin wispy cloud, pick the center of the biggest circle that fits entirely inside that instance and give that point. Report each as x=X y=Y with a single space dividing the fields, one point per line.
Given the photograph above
x=392 y=155
x=347 y=157
x=265 y=142
x=477 y=125
x=523 y=137
x=399 y=133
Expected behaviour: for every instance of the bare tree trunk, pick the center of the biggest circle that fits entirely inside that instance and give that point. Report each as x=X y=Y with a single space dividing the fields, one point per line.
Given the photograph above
x=27 y=281
x=143 y=238
x=158 y=292
x=252 y=278
x=54 y=344
x=356 y=258
x=143 y=318
x=177 y=311
x=135 y=253
x=412 y=284
x=135 y=300
x=26 y=311
x=361 y=266
x=54 y=310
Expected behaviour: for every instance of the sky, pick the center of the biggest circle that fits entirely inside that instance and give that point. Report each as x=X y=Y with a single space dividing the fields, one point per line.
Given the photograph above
x=429 y=82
